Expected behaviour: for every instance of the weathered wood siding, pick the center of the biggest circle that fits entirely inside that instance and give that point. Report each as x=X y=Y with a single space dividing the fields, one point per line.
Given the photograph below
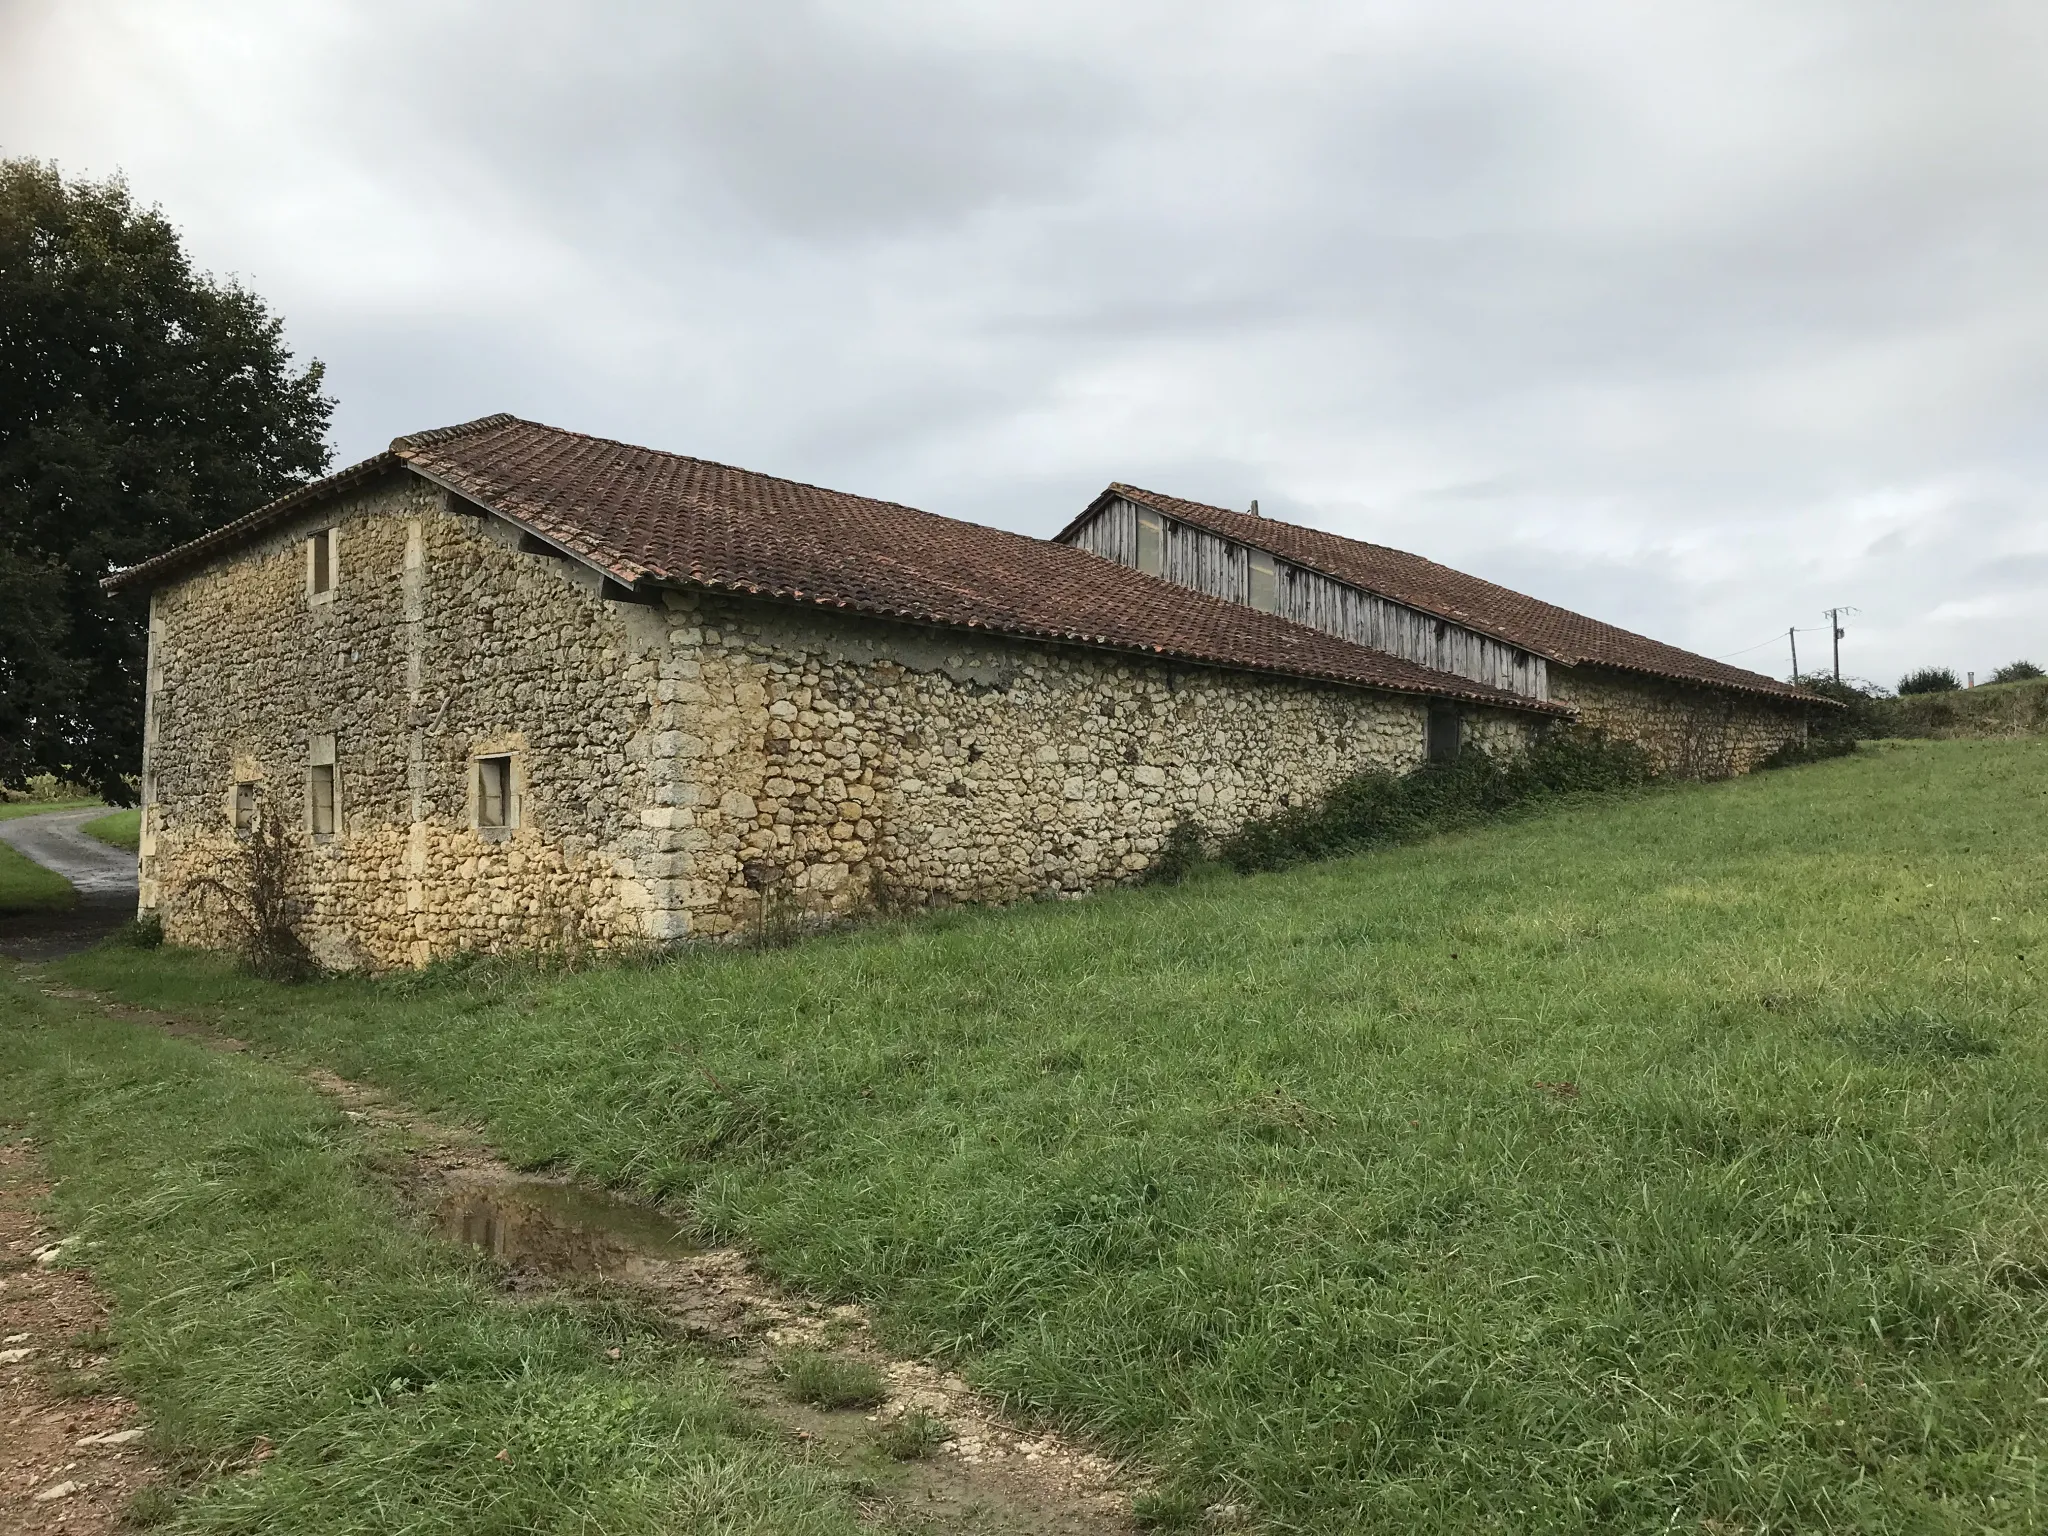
x=1221 y=567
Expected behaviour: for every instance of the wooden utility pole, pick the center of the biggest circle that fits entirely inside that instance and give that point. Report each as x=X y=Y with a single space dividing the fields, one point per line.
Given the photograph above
x=1835 y=628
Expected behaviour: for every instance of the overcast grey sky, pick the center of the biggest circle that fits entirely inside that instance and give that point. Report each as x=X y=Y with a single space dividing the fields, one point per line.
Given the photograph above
x=1697 y=316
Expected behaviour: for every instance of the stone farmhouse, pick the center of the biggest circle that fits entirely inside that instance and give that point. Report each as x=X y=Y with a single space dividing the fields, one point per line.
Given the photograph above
x=512 y=686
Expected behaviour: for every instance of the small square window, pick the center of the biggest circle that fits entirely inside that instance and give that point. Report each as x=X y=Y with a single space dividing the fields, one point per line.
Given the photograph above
x=320 y=561
x=245 y=807
x=1443 y=735
x=494 y=804
x=320 y=804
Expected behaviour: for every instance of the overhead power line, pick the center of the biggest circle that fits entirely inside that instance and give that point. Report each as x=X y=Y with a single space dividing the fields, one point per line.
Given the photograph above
x=1775 y=638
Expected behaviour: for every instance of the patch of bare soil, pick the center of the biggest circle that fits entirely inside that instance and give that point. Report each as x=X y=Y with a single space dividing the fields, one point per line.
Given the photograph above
x=979 y=1473
x=71 y=1453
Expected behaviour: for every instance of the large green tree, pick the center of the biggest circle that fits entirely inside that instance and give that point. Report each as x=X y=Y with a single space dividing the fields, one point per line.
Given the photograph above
x=141 y=403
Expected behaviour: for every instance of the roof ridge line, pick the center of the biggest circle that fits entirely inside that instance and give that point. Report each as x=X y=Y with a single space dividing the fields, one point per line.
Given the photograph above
x=444 y=434
x=1567 y=649
x=433 y=435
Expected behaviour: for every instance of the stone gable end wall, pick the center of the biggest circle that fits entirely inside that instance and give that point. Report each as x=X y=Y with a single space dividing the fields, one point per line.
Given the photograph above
x=694 y=767
x=441 y=641
x=1691 y=731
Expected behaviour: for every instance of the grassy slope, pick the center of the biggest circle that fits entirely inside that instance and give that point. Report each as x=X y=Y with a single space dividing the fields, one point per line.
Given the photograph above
x=24 y=884
x=264 y=1288
x=119 y=829
x=1995 y=709
x=1675 y=1161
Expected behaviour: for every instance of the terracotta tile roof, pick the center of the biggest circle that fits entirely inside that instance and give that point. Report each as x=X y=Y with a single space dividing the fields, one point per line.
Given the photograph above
x=1554 y=633
x=644 y=516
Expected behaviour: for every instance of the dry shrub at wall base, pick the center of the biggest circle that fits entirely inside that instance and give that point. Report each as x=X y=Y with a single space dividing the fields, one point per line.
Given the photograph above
x=257 y=894
x=1178 y=857
x=1377 y=810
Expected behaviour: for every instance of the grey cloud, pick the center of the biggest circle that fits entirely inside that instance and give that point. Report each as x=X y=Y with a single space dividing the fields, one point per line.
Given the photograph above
x=1701 y=317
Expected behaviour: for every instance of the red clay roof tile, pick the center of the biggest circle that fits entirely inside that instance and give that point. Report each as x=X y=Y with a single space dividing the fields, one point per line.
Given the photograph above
x=646 y=516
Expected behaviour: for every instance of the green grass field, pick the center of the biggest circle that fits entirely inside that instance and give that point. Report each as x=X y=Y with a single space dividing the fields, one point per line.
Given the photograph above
x=26 y=886
x=119 y=829
x=1674 y=1163
x=265 y=1287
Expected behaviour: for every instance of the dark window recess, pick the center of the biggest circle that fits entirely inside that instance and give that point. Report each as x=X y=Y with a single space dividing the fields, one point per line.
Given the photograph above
x=245 y=807
x=494 y=791
x=1441 y=739
x=323 y=560
x=321 y=808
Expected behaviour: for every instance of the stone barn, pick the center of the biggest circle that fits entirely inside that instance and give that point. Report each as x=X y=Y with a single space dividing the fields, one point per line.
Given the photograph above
x=1697 y=717
x=509 y=686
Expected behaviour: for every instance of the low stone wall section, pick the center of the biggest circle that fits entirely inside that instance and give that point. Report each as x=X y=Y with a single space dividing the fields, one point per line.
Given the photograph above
x=1691 y=731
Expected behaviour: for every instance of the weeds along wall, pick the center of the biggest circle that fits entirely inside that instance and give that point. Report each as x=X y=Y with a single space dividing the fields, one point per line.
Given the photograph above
x=696 y=766
x=1691 y=732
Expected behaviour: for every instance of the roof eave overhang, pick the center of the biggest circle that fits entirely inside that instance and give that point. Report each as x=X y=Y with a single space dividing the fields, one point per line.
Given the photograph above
x=1109 y=494
x=624 y=573
x=158 y=569
x=1786 y=695
x=1488 y=700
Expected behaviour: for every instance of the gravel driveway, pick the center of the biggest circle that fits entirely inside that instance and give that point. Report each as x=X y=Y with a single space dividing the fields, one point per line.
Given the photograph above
x=103 y=876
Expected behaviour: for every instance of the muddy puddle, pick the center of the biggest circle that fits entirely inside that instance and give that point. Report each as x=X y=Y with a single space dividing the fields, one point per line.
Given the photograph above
x=555 y=1227
x=976 y=1474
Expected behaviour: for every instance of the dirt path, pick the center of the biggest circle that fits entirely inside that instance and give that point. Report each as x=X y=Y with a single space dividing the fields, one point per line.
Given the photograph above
x=963 y=1467
x=70 y=1457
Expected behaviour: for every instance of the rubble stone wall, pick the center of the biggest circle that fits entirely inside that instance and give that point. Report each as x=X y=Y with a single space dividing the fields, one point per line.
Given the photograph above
x=693 y=767
x=1694 y=732
x=826 y=765
x=441 y=641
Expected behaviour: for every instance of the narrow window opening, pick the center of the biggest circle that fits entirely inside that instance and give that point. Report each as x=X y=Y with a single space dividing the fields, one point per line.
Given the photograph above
x=1151 y=543
x=322 y=799
x=1442 y=738
x=323 y=561
x=245 y=807
x=494 y=792
x=1265 y=582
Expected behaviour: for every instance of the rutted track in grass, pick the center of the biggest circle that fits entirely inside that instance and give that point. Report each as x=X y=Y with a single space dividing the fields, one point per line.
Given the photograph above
x=974 y=1472
x=69 y=1453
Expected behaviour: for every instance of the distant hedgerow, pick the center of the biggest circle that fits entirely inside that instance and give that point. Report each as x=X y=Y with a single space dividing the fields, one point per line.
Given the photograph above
x=1929 y=680
x=1374 y=810
x=2017 y=672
